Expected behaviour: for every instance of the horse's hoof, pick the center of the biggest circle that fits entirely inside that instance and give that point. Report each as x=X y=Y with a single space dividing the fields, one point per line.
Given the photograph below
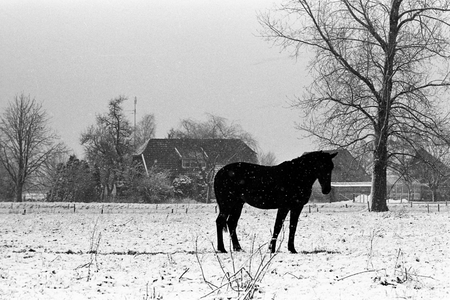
x=293 y=251
x=221 y=251
x=238 y=249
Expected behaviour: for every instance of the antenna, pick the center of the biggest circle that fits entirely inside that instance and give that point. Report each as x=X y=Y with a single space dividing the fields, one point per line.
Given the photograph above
x=135 y=103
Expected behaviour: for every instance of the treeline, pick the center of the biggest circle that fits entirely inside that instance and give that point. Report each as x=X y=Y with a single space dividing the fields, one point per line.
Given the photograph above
x=32 y=157
x=77 y=181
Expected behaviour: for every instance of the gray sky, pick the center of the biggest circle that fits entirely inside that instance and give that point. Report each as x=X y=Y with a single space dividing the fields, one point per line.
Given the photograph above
x=181 y=59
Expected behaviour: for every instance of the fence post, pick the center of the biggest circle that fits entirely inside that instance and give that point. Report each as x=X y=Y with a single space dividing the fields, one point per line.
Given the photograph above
x=74 y=207
x=428 y=207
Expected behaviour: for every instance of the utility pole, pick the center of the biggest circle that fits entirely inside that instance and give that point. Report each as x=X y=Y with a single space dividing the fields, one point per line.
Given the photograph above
x=135 y=103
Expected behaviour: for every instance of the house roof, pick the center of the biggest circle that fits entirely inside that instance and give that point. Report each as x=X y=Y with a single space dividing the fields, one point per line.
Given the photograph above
x=347 y=168
x=425 y=157
x=424 y=161
x=221 y=151
x=186 y=146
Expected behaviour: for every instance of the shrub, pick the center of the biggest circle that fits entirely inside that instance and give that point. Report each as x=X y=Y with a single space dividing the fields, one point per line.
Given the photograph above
x=183 y=186
x=156 y=187
x=189 y=186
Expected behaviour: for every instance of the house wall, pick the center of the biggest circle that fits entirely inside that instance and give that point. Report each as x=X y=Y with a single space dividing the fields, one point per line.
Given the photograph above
x=419 y=192
x=344 y=191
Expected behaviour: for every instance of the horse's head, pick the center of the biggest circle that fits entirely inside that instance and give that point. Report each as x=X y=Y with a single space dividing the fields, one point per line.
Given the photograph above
x=324 y=172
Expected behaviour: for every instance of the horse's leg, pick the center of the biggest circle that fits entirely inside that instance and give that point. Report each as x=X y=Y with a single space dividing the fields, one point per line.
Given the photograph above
x=295 y=213
x=232 y=224
x=281 y=215
x=221 y=223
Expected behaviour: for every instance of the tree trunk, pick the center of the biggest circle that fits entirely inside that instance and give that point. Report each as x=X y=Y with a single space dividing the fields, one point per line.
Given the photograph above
x=433 y=194
x=379 y=188
x=410 y=192
x=379 y=182
x=18 y=192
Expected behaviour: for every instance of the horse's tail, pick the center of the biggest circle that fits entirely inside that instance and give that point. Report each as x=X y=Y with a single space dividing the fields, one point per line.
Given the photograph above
x=221 y=198
x=223 y=218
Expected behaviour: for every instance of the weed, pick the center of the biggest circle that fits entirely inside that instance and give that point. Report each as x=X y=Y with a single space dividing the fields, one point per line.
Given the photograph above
x=242 y=278
x=151 y=293
x=93 y=252
x=376 y=232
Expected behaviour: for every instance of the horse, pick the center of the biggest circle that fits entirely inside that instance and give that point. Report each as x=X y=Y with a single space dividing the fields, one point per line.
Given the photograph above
x=286 y=187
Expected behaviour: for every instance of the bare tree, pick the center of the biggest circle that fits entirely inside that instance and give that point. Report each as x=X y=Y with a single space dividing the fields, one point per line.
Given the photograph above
x=108 y=143
x=26 y=141
x=430 y=166
x=6 y=185
x=267 y=158
x=377 y=69
x=215 y=127
x=47 y=176
x=145 y=130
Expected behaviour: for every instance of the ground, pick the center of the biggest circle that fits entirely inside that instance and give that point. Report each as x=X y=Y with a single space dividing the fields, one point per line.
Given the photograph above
x=59 y=251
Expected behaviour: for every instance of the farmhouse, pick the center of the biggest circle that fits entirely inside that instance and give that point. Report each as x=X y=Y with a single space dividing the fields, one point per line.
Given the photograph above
x=184 y=156
x=429 y=179
x=425 y=178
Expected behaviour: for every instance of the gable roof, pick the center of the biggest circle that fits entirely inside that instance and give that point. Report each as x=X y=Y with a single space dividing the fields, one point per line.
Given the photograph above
x=423 y=159
x=347 y=168
x=167 y=153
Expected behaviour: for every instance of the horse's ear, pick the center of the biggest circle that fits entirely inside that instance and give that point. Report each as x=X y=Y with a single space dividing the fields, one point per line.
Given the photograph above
x=334 y=154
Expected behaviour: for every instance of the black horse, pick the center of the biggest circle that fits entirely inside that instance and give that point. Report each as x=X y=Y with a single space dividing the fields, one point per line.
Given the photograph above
x=286 y=187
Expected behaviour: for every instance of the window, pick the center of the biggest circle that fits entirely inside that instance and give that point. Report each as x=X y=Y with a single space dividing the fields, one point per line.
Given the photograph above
x=192 y=163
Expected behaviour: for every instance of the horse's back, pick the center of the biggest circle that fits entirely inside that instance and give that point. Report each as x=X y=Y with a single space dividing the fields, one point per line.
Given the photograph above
x=245 y=182
x=240 y=173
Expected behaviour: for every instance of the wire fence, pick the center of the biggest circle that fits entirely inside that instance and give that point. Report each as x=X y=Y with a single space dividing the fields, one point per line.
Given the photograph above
x=177 y=208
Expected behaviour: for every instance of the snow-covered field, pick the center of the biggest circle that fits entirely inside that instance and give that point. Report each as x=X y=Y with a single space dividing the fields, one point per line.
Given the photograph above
x=167 y=252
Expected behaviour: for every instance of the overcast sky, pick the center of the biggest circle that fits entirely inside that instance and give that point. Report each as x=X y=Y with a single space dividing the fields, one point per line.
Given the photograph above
x=181 y=59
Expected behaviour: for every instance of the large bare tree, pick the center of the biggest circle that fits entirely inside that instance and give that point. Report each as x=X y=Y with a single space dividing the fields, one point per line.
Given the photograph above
x=26 y=141
x=378 y=68
x=215 y=127
x=145 y=130
x=108 y=144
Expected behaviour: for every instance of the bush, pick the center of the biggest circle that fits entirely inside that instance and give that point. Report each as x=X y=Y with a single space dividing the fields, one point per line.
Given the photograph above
x=183 y=186
x=156 y=187
x=189 y=186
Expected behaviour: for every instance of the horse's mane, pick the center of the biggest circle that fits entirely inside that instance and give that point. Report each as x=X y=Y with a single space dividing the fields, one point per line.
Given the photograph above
x=304 y=157
x=307 y=155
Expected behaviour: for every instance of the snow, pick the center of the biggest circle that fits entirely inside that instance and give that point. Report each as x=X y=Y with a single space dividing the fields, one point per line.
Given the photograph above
x=159 y=252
